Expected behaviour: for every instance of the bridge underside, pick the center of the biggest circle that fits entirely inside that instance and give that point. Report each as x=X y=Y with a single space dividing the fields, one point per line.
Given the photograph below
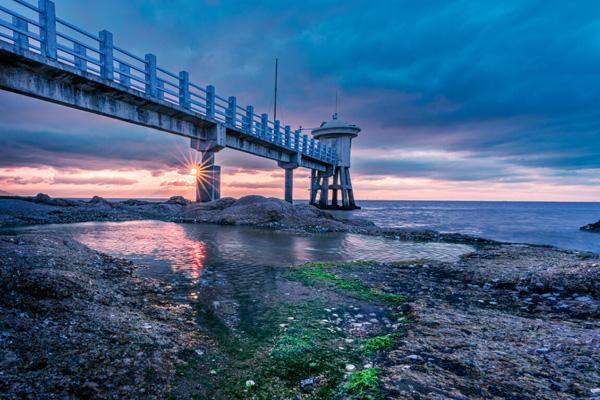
x=35 y=76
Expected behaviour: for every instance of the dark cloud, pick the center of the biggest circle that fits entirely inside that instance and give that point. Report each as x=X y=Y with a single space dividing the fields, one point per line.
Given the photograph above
x=15 y=180
x=93 y=180
x=255 y=185
x=512 y=80
x=177 y=183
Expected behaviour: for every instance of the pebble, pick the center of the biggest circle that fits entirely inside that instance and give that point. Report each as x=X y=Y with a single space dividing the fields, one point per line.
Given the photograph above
x=250 y=383
x=595 y=390
x=305 y=383
x=542 y=350
x=350 y=367
x=585 y=299
x=368 y=365
x=199 y=352
x=414 y=357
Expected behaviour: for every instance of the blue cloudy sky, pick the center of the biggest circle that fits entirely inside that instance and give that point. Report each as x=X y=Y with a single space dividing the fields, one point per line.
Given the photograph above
x=457 y=99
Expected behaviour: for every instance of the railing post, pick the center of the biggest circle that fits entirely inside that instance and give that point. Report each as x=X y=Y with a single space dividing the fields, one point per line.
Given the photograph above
x=304 y=144
x=287 y=131
x=106 y=55
x=264 y=120
x=124 y=72
x=21 y=40
x=297 y=139
x=184 y=90
x=80 y=62
x=47 y=19
x=231 y=111
x=160 y=85
x=210 y=101
x=277 y=132
x=150 y=78
x=247 y=126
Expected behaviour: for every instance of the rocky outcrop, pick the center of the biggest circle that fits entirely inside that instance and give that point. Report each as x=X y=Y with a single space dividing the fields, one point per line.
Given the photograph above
x=259 y=211
x=595 y=227
x=249 y=210
x=271 y=213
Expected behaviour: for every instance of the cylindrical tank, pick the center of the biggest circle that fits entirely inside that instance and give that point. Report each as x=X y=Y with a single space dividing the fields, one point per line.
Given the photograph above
x=337 y=134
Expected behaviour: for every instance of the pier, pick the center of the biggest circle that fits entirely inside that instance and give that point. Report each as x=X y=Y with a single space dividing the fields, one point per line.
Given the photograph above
x=46 y=57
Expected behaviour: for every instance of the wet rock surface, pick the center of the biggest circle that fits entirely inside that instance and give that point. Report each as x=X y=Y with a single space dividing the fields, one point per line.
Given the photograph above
x=75 y=323
x=510 y=322
x=594 y=227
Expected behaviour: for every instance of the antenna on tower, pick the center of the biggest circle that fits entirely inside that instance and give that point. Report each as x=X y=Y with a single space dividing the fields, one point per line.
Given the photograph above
x=335 y=115
x=275 y=101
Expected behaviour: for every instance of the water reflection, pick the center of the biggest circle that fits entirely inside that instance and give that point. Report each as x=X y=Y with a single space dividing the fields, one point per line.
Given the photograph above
x=235 y=262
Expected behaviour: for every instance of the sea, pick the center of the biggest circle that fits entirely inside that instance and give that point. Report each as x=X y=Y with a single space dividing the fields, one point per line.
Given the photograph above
x=547 y=223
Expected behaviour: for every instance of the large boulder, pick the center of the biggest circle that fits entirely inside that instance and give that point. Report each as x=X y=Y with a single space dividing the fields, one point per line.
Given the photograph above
x=270 y=212
x=180 y=200
x=595 y=227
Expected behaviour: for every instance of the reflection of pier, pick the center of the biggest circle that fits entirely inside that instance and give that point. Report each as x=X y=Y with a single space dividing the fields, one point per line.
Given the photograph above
x=46 y=57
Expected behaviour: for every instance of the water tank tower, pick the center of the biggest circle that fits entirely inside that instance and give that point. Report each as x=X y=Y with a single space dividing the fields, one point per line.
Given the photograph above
x=337 y=134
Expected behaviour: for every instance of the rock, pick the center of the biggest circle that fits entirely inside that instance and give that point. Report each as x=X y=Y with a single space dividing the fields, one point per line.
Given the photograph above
x=350 y=367
x=98 y=200
x=249 y=383
x=585 y=299
x=542 y=350
x=308 y=383
x=594 y=227
x=415 y=358
x=41 y=198
x=180 y=200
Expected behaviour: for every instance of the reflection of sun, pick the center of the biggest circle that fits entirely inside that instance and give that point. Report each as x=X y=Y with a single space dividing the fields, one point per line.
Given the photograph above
x=198 y=251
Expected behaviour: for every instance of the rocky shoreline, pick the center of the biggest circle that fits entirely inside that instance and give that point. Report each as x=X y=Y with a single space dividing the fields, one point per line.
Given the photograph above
x=257 y=211
x=507 y=321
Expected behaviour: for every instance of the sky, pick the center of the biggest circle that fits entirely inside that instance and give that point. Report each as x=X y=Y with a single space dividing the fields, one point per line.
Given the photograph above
x=457 y=100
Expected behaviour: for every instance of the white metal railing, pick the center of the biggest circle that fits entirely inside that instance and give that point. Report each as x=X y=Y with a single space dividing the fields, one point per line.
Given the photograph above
x=36 y=29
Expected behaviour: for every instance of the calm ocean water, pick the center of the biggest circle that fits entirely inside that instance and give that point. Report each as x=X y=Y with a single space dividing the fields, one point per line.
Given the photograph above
x=548 y=223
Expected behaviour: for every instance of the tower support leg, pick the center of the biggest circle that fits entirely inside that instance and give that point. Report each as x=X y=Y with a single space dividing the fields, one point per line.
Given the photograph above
x=313 y=186
x=323 y=200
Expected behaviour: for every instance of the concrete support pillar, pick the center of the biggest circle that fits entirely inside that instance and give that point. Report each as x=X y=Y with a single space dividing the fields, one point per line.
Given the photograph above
x=208 y=179
x=289 y=185
x=324 y=187
x=335 y=187
x=313 y=186
x=289 y=168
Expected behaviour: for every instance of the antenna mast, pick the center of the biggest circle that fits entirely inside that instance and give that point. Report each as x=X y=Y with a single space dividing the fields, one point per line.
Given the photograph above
x=275 y=101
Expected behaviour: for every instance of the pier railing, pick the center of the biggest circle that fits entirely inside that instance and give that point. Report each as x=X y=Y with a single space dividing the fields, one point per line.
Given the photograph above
x=37 y=29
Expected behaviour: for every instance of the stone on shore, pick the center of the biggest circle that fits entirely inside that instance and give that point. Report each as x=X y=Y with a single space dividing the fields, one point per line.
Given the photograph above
x=269 y=212
x=594 y=227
